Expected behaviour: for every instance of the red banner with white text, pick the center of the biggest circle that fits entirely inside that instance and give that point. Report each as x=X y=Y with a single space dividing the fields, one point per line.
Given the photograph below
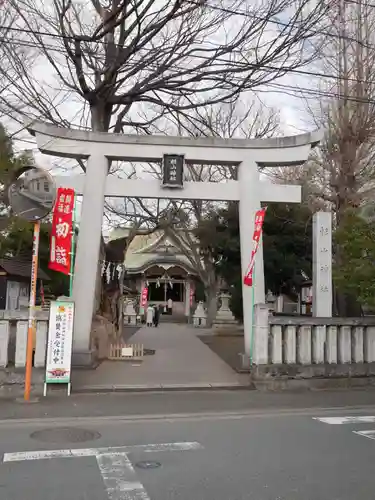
x=144 y=296
x=258 y=225
x=61 y=233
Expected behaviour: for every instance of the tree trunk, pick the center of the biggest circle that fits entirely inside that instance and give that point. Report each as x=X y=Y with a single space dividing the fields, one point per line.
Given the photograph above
x=347 y=306
x=99 y=306
x=211 y=300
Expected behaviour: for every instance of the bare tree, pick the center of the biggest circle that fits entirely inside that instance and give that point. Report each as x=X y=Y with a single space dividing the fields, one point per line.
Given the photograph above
x=8 y=18
x=118 y=64
x=179 y=219
x=340 y=175
x=127 y=62
x=344 y=166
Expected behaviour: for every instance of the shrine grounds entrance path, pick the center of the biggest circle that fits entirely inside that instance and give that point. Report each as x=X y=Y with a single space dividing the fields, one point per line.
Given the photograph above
x=181 y=361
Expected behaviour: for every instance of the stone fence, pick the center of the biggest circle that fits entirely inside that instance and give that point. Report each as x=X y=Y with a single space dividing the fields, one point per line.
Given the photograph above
x=13 y=338
x=307 y=348
x=321 y=340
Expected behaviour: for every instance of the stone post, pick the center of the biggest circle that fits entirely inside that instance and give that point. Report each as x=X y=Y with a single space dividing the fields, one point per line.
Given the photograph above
x=88 y=250
x=322 y=265
x=21 y=341
x=41 y=342
x=4 y=342
x=259 y=283
x=261 y=333
x=248 y=182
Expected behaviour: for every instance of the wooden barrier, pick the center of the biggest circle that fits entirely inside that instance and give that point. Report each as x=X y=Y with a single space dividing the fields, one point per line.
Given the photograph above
x=119 y=351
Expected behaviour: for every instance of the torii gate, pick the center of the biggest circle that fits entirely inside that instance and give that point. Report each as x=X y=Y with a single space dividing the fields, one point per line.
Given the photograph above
x=99 y=148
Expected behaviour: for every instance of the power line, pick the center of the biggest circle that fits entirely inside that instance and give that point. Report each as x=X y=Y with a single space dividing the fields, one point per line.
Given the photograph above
x=195 y=56
x=361 y=4
x=317 y=93
x=286 y=25
x=85 y=38
x=225 y=10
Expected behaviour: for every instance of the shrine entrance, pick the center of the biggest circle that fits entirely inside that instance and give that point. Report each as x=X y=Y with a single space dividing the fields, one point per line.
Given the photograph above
x=173 y=285
x=164 y=288
x=173 y=152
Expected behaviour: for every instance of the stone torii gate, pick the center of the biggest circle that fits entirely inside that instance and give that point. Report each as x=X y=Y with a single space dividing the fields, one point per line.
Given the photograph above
x=100 y=148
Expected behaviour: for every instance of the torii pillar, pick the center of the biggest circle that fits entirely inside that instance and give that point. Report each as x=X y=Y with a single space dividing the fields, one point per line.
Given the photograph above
x=99 y=148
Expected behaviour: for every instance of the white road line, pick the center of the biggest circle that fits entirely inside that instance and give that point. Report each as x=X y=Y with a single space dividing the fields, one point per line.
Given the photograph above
x=162 y=418
x=368 y=419
x=119 y=477
x=93 y=452
x=367 y=434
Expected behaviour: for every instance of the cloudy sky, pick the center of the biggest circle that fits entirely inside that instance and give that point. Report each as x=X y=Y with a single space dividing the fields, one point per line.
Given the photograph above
x=282 y=95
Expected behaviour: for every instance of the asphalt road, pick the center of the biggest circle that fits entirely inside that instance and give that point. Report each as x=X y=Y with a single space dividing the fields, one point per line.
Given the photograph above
x=263 y=454
x=57 y=404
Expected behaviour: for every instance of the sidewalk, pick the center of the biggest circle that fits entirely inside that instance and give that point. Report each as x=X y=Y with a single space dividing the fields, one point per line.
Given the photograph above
x=181 y=361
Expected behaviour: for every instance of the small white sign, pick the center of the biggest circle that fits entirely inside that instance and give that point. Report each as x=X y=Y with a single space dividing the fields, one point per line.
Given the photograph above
x=60 y=339
x=127 y=352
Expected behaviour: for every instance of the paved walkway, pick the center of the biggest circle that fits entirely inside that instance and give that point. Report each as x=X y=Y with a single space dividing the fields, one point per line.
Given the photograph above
x=181 y=360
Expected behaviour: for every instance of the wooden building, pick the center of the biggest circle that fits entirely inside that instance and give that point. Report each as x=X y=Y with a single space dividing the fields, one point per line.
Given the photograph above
x=15 y=275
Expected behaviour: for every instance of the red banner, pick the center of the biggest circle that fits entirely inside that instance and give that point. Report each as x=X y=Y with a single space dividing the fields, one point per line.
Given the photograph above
x=61 y=233
x=144 y=296
x=192 y=291
x=258 y=224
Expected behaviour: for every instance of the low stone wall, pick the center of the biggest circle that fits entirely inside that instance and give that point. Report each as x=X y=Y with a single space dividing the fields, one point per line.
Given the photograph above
x=296 y=352
x=13 y=338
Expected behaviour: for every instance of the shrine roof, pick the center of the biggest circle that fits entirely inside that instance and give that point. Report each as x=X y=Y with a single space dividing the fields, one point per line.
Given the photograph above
x=151 y=249
x=21 y=268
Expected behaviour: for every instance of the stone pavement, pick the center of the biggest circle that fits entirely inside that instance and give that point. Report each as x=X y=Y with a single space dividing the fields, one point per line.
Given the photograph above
x=181 y=361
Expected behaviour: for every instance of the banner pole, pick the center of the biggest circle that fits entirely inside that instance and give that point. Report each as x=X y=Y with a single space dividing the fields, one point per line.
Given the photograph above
x=72 y=249
x=252 y=317
x=31 y=331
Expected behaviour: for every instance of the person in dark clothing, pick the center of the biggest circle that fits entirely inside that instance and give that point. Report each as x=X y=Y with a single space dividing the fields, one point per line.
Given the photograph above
x=156 y=315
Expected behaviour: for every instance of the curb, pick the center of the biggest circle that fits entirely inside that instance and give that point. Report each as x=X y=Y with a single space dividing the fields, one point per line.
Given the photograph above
x=159 y=388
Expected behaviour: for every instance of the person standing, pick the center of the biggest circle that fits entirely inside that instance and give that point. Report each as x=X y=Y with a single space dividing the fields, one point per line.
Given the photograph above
x=170 y=305
x=149 y=315
x=156 y=315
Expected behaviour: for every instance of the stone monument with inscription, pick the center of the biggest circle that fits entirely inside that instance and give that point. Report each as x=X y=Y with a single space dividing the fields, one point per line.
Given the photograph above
x=322 y=265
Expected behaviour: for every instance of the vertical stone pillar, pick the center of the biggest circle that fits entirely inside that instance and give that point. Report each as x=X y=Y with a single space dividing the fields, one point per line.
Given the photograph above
x=21 y=341
x=248 y=204
x=322 y=265
x=4 y=342
x=187 y=298
x=41 y=343
x=261 y=334
x=88 y=250
x=280 y=304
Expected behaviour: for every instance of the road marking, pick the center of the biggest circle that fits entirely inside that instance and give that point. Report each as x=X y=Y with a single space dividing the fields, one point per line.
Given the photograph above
x=367 y=434
x=93 y=452
x=368 y=419
x=119 y=477
x=163 y=418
